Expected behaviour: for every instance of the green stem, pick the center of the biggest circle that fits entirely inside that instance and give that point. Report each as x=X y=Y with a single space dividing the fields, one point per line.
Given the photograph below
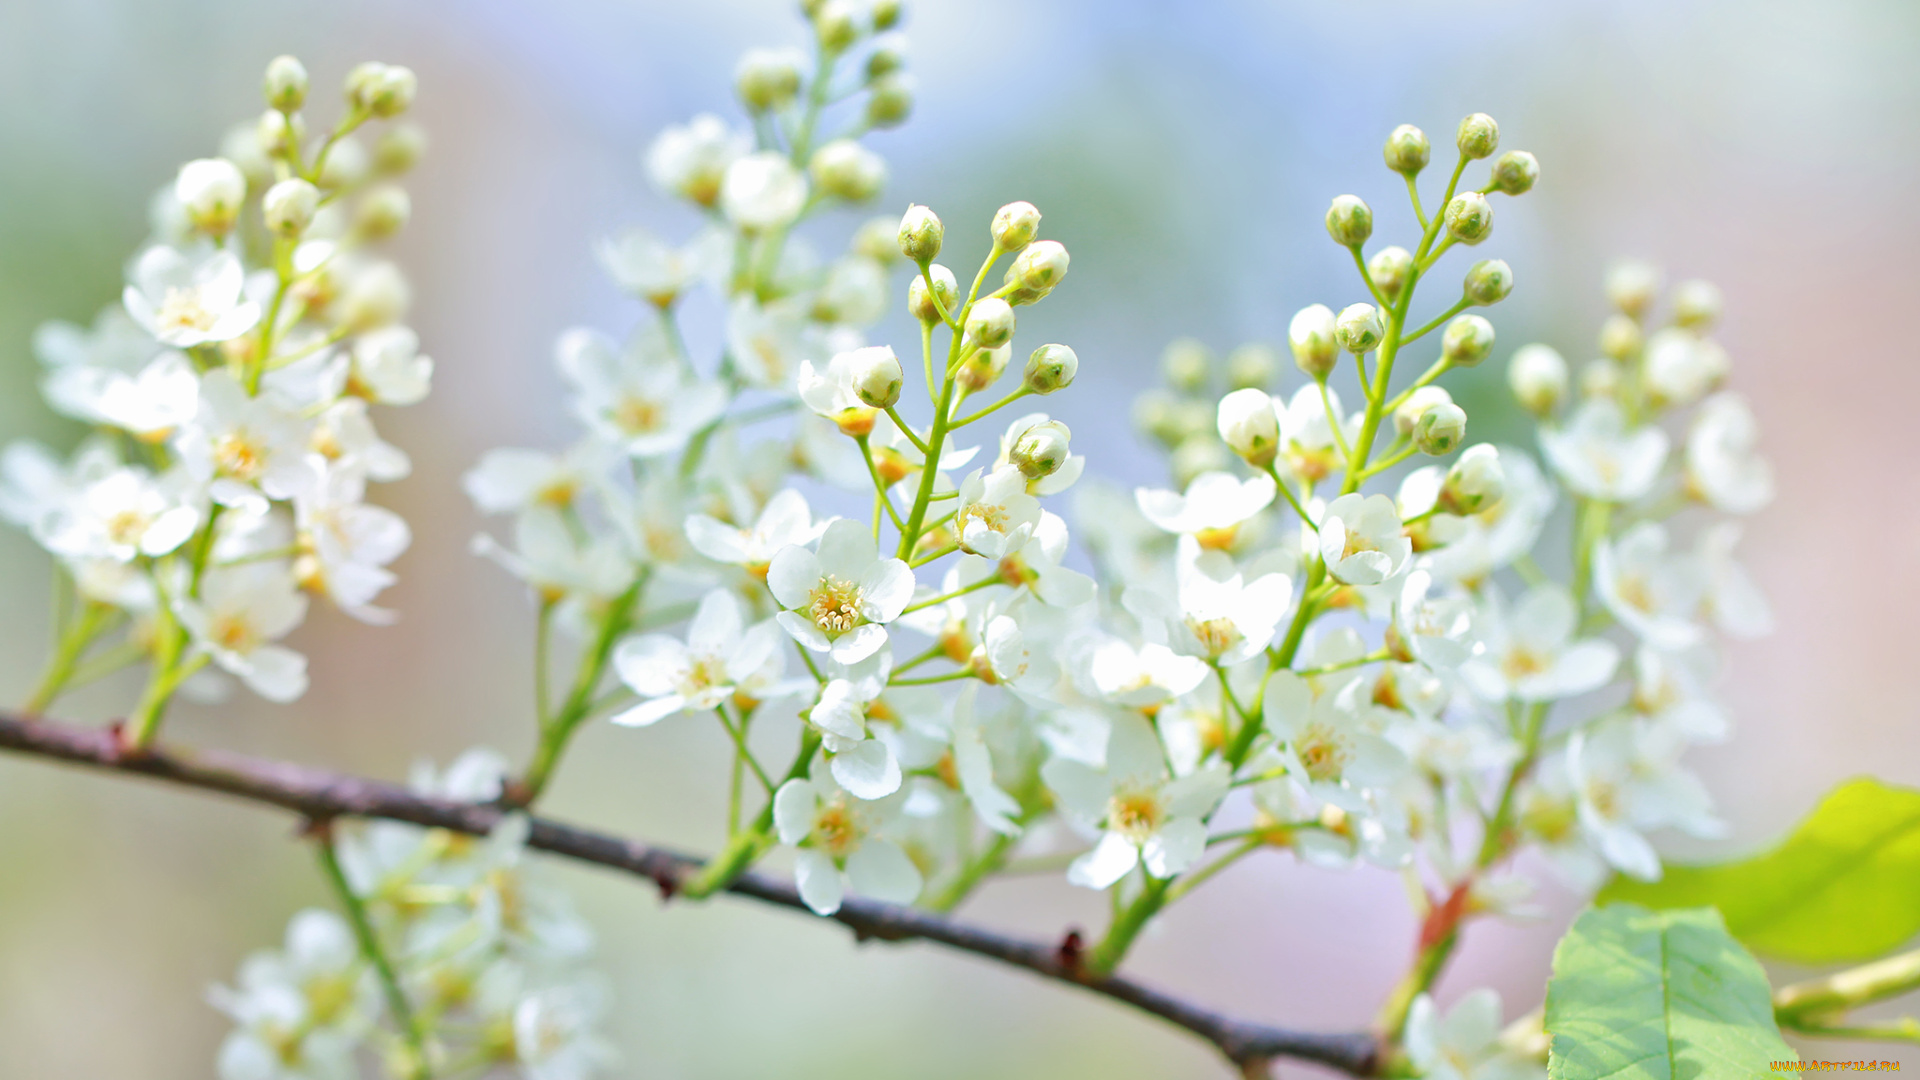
x=1825 y=998
x=905 y=428
x=1126 y=926
x=72 y=646
x=418 y=1067
x=985 y=582
x=1438 y=320
x=972 y=873
x=555 y=733
x=746 y=845
x=879 y=487
x=1427 y=965
x=1003 y=402
x=1200 y=877
x=1310 y=600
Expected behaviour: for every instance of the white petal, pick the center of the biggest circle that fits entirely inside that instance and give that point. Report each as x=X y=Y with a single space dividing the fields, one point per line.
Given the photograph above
x=859 y=643
x=868 y=771
x=818 y=881
x=276 y=673
x=1174 y=847
x=651 y=711
x=792 y=576
x=793 y=810
x=1108 y=862
x=879 y=869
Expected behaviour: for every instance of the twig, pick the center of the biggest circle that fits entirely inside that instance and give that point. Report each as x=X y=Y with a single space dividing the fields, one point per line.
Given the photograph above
x=321 y=795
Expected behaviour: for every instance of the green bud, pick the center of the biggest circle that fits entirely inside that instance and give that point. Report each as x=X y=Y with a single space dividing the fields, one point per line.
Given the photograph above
x=1407 y=150
x=1440 y=429
x=885 y=59
x=1311 y=336
x=1600 y=378
x=1252 y=365
x=983 y=368
x=1185 y=364
x=920 y=304
x=1407 y=416
x=1041 y=450
x=381 y=89
x=1467 y=341
x=835 y=25
x=1156 y=414
x=886 y=14
x=278 y=133
x=1631 y=285
x=1488 y=282
x=1515 y=172
x=398 y=149
x=285 y=84
x=1538 y=377
x=1358 y=328
x=1469 y=217
x=1696 y=304
x=846 y=170
x=1621 y=337
x=288 y=206
x=1389 y=268
x=1050 y=368
x=990 y=324
x=889 y=101
x=1015 y=225
x=767 y=79
x=920 y=234
x=382 y=212
x=1349 y=221
x=1479 y=136
x=1198 y=454
x=1036 y=270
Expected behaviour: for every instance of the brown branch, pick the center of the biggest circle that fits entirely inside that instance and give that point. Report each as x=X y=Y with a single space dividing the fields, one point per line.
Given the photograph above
x=320 y=795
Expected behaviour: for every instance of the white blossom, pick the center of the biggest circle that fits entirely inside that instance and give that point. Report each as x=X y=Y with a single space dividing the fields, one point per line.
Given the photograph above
x=190 y=298
x=839 y=598
x=1147 y=818
x=1599 y=457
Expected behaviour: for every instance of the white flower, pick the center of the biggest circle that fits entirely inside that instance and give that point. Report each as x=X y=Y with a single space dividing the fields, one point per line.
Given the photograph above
x=1328 y=740
x=838 y=599
x=148 y=405
x=763 y=191
x=646 y=266
x=784 y=521
x=1669 y=688
x=1628 y=780
x=996 y=515
x=1680 y=366
x=689 y=160
x=187 y=299
x=239 y=615
x=1249 y=423
x=1530 y=652
x=301 y=1009
x=1212 y=509
x=343 y=437
x=839 y=393
x=1732 y=601
x=1147 y=818
x=348 y=543
x=721 y=655
x=1438 y=631
x=1650 y=591
x=553 y=1033
x=547 y=556
x=510 y=480
x=236 y=443
x=1724 y=468
x=1309 y=443
x=863 y=765
x=1471 y=547
x=1598 y=457
x=1142 y=677
x=1054 y=482
x=1465 y=1045
x=635 y=399
x=1217 y=615
x=1037 y=566
x=1362 y=540
x=124 y=514
x=839 y=846
x=387 y=367
x=768 y=342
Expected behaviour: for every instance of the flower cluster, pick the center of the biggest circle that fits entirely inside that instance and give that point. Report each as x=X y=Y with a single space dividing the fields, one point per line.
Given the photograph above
x=231 y=392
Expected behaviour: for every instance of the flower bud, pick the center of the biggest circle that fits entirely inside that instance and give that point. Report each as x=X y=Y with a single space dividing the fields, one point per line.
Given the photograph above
x=1600 y=378
x=1196 y=455
x=886 y=58
x=1050 y=368
x=399 y=149
x=288 y=206
x=1154 y=415
x=1015 y=225
x=874 y=239
x=1311 y=336
x=1620 y=337
x=381 y=89
x=1479 y=136
x=1538 y=377
x=1488 y=282
x=889 y=101
x=877 y=376
x=886 y=14
x=1358 y=328
x=1440 y=429
x=1696 y=304
x=1407 y=150
x=345 y=166
x=1249 y=426
x=1185 y=364
x=762 y=191
x=211 y=190
x=920 y=304
x=377 y=296
x=982 y=368
x=1467 y=341
x=989 y=324
x=1476 y=483
x=920 y=234
x=767 y=79
x=285 y=84
x=1408 y=415
x=1389 y=268
x=1515 y=172
x=1349 y=221
x=845 y=169
x=382 y=212
x=1469 y=217
x=1036 y=270
x=1041 y=449
x=1252 y=365
x=836 y=25
x=277 y=133
x=1631 y=285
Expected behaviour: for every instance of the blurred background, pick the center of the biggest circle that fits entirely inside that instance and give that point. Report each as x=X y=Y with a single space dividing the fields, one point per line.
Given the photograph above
x=1185 y=155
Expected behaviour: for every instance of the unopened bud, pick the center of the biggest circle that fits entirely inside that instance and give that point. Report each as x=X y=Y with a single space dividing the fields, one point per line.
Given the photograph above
x=983 y=368
x=398 y=149
x=1185 y=365
x=1358 y=328
x=1312 y=338
x=1621 y=337
x=877 y=377
x=1197 y=455
x=1488 y=282
x=1631 y=286
x=889 y=101
x=767 y=79
x=345 y=166
x=1041 y=449
x=1154 y=415
x=845 y=169
x=1015 y=225
x=278 y=133
x=1467 y=341
x=920 y=303
x=989 y=324
x=1440 y=429
x=1479 y=136
x=1600 y=378
x=288 y=206
x=1407 y=416
x=886 y=58
x=874 y=239
x=920 y=234
x=1476 y=483
x=1407 y=150
x=1249 y=426
x=382 y=212
x=1349 y=221
x=285 y=84
x=211 y=191
x=381 y=89
x=1036 y=270
x=886 y=14
x=1389 y=268
x=1515 y=172
x=1252 y=365
x=836 y=25
x=377 y=296
x=1537 y=375
x=1696 y=304
x=1050 y=368
x=1469 y=217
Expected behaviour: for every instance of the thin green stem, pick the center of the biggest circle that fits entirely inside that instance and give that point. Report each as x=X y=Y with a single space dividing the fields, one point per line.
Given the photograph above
x=929 y=680
x=1002 y=403
x=542 y=648
x=555 y=733
x=963 y=590
x=879 y=488
x=1200 y=877
x=1286 y=492
x=73 y=644
x=418 y=1066
x=1459 y=306
x=906 y=429
x=975 y=870
x=748 y=844
x=1413 y=196
x=1366 y=275
x=737 y=731
x=1126 y=926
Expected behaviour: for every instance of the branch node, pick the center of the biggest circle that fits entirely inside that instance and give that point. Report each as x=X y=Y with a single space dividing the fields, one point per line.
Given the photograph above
x=1071 y=954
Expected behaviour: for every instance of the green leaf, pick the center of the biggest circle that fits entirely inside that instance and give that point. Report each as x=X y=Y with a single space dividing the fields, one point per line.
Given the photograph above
x=1668 y=995
x=1840 y=888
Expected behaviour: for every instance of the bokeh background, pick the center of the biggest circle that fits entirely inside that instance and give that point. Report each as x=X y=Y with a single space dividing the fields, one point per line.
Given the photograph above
x=1185 y=154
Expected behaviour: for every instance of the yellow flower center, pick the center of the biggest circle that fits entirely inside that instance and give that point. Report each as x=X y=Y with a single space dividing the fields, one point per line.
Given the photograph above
x=993 y=517
x=240 y=456
x=233 y=633
x=1521 y=662
x=835 y=830
x=182 y=309
x=1215 y=635
x=1322 y=753
x=125 y=527
x=637 y=415
x=1135 y=814
x=835 y=606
